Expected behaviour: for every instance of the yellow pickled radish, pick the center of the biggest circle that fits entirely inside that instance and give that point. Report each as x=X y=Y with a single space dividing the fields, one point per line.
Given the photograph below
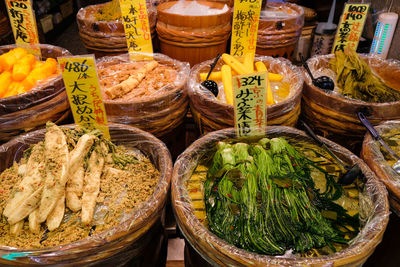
x=50 y=66
x=8 y=59
x=234 y=64
x=5 y=81
x=23 y=67
x=13 y=89
x=270 y=98
x=227 y=81
x=248 y=62
x=272 y=77
x=215 y=76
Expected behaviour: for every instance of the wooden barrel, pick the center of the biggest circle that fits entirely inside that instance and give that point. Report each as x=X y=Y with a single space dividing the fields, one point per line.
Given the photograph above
x=107 y=37
x=218 y=252
x=372 y=154
x=31 y=110
x=128 y=241
x=193 y=38
x=278 y=37
x=335 y=116
x=210 y=114
x=159 y=114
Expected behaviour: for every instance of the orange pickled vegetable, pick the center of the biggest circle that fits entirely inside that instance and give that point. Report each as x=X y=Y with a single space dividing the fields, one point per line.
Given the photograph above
x=40 y=72
x=5 y=81
x=8 y=59
x=15 y=88
x=23 y=67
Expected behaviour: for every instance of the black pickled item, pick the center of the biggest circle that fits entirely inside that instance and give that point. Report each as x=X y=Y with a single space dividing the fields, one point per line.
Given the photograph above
x=210 y=84
x=323 y=82
x=377 y=137
x=351 y=173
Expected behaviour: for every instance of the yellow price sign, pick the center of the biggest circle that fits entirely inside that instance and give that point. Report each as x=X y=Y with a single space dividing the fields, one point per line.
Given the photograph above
x=137 y=29
x=83 y=89
x=250 y=103
x=23 y=24
x=246 y=16
x=350 y=27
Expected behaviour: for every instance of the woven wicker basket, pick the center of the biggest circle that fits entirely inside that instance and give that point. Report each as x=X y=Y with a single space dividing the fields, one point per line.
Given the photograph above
x=118 y=245
x=219 y=253
x=31 y=110
x=210 y=114
x=336 y=116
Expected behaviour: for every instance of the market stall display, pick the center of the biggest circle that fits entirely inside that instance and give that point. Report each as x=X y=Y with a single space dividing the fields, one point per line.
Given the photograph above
x=335 y=113
x=193 y=31
x=214 y=113
x=37 y=98
x=102 y=31
x=150 y=95
x=195 y=193
x=279 y=29
x=381 y=162
x=99 y=225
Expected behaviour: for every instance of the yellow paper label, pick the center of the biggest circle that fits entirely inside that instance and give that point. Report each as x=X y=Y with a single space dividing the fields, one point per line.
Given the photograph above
x=249 y=103
x=350 y=27
x=23 y=24
x=245 y=26
x=83 y=89
x=137 y=29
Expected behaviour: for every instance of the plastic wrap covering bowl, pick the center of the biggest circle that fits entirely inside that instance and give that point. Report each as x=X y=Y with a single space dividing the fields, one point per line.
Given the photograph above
x=107 y=37
x=279 y=29
x=159 y=113
x=211 y=114
x=372 y=154
x=193 y=36
x=217 y=252
x=46 y=102
x=334 y=115
x=128 y=241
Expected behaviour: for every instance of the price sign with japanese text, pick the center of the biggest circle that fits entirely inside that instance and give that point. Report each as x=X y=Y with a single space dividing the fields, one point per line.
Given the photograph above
x=249 y=103
x=246 y=16
x=350 y=27
x=83 y=89
x=23 y=24
x=137 y=29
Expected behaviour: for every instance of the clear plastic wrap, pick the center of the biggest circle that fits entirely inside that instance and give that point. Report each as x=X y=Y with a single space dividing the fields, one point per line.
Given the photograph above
x=218 y=252
x=373 y=156
x=159 y=113
x=336 y=115
x=47 y=101
x=279 y=29
x=213 y=114
x=142 y=230
x=107 y=36
x=193 y=31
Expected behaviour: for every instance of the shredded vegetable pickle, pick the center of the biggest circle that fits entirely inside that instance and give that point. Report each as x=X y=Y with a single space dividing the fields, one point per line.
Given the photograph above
x=261 y=197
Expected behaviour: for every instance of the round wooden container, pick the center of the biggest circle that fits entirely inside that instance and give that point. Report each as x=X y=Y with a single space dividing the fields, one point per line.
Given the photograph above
x=107 y=37
x=46 y=102
x=336 y=116
x=217 y=252
x=118 y=245
x=372 y=155
x=159 y=114
x=210 y=114
x=191 y=38
x=278 y=37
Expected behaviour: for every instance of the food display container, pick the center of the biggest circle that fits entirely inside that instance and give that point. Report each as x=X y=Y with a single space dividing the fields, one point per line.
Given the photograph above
x=193 y=31
x=108 y=37
x=279 y=29
x=217 y=252
x=211 y=114
x=31 y=110
x=334 y=115
x=137 y=240
x=374 y=155
x=159 y=113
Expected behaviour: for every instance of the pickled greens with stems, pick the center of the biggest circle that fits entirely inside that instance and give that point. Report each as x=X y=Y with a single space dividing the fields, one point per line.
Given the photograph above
x=263 y=197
